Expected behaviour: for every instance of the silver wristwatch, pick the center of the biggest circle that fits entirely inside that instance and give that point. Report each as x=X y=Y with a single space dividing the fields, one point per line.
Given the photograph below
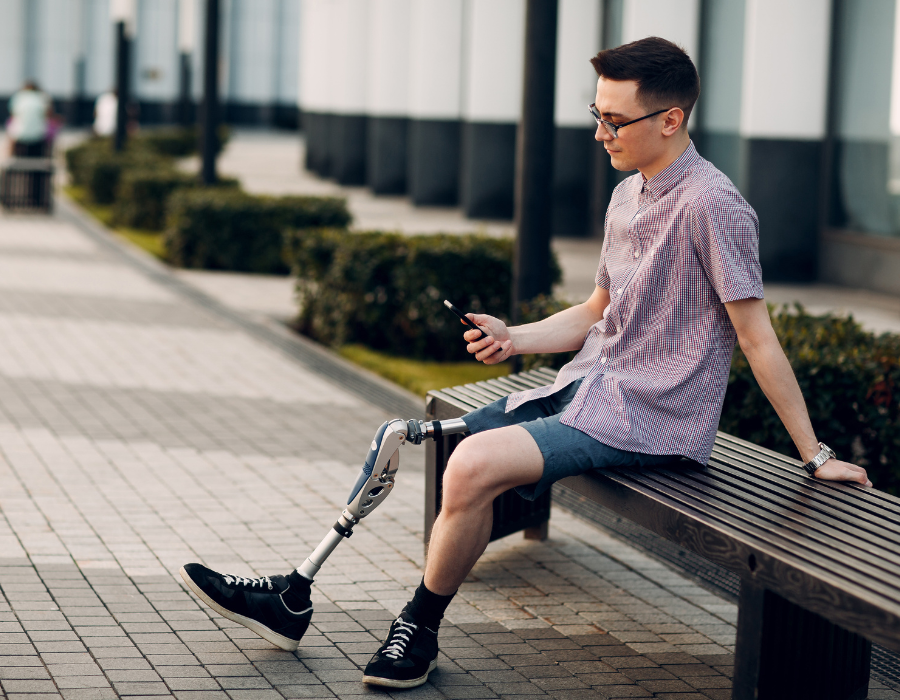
x=820 y=459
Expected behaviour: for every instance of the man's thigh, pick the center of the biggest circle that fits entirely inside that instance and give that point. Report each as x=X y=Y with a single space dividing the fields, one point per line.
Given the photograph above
x=567 y=451
x=499 y=459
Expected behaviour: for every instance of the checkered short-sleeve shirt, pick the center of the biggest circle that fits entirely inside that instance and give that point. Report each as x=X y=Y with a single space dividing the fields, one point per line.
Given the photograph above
x=655 y=368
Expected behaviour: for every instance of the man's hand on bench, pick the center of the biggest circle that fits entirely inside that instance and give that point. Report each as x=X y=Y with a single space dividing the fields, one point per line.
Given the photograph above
x=496 y=347
x=836 y=470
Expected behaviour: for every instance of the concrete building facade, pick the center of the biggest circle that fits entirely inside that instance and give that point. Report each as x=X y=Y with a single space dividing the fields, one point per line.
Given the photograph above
x=800 y=108
x=67 y=46
x=800 y=104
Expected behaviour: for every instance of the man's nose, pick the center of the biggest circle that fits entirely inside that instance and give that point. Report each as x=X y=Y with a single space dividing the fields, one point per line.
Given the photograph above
x=602 y=133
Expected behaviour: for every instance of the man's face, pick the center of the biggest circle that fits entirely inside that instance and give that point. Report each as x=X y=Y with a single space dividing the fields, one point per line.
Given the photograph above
x=638 y=144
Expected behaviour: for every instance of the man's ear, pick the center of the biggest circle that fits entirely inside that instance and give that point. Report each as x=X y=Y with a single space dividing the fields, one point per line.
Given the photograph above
x=673 y=121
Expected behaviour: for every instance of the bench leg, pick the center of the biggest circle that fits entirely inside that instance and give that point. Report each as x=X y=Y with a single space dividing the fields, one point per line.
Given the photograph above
x=785 y=651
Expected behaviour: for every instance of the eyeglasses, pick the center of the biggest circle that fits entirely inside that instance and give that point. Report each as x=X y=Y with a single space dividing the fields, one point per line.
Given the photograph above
x=613 y=129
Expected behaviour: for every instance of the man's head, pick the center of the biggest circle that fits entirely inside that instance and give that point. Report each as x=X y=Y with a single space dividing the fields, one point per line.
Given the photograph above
x=637 y=79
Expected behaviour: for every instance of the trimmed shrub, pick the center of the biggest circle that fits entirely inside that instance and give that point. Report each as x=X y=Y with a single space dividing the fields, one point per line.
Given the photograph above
x=77 y=157
x=851 y=381
x=176 y=142
x=386 y=290
x=226 y=229
x=98 y=168
x=142 y=193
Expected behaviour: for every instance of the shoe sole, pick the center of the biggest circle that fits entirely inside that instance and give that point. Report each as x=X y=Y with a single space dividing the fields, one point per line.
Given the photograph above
x=391 y=683
x=279 y=640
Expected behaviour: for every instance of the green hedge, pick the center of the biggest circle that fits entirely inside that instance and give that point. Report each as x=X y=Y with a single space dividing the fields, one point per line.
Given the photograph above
x=176 y=142
x=226 y=229
x=142 y=195
x=851 y=381
x=95 y=166
x=386 y=290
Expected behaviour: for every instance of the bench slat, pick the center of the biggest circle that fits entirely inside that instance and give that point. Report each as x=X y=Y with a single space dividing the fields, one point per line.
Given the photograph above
x=764 y=515
x=838 y=495
x=803 y=498
x=851 y=494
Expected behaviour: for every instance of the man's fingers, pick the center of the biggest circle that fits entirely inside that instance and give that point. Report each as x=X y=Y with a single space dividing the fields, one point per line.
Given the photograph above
x=472 y=335
x=499 y=355
x=488 y=350
x=478 y=345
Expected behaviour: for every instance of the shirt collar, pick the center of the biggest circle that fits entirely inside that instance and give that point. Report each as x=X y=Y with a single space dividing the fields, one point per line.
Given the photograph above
x=660 y=184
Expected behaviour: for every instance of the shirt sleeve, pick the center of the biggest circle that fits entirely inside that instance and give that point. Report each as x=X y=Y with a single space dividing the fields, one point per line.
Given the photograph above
x=725 y=233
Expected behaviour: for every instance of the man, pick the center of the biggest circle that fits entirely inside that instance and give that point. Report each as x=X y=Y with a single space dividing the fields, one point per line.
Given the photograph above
x=678 y=280
x=29 y=111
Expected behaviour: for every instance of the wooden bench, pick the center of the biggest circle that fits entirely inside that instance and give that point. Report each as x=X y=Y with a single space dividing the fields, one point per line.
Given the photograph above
x=26 y=184
x=819 y=562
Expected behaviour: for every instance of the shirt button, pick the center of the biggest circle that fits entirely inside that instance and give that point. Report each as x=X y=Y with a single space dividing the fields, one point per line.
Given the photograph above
x=637 y=253
x=619 y=290
x=602 y=360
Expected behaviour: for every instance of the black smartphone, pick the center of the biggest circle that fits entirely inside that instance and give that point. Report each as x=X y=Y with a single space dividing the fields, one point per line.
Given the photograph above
x=465 y=319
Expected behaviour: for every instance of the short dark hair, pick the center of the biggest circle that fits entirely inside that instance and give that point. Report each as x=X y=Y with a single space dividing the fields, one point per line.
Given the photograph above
x=665 y=75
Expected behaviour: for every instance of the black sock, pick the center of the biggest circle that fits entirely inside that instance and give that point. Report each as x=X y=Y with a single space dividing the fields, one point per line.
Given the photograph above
x=297 y=596
x=427 y=608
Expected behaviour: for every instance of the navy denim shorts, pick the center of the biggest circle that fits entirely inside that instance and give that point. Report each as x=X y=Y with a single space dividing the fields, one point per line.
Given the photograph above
x=567 y=451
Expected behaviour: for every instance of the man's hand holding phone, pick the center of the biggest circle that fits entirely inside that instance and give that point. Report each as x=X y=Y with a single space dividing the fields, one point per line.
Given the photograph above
x=488 y=337
x=496 y=347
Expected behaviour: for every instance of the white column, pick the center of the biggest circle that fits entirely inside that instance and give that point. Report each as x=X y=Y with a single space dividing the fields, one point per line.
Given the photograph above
x=12 y=45
x=187 y=25
x=785 y=82
x=350 y=34
x=894 y=151
x=316 y=65
x=675 y=20
x=578 y=39
x=435 y=87
x=783 y=106
x=435 y=59
x=388 y=63
x=494 y=50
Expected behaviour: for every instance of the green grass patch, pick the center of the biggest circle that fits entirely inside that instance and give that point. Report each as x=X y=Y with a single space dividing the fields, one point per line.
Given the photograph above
x=420 y=376
x=150 y=241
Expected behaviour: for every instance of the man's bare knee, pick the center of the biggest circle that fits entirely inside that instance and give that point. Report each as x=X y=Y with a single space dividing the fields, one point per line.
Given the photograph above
x=487 y=464
x=465 y=480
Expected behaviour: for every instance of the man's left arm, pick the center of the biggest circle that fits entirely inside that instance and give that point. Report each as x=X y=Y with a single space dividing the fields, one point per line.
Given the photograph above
x=772 y=370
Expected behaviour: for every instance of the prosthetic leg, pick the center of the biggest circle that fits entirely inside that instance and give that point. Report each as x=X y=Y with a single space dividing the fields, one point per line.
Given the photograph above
x=376 y=480
x=278 y=607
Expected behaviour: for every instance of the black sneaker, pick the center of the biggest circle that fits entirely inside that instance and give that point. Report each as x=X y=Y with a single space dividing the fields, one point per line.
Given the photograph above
x=406 y=658
x=256 y=603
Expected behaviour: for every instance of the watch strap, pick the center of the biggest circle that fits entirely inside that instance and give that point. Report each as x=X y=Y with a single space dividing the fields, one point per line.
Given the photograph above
x=824 y=455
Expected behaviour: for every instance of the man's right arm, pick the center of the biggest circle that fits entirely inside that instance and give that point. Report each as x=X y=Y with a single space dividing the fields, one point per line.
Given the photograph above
x=561 y=332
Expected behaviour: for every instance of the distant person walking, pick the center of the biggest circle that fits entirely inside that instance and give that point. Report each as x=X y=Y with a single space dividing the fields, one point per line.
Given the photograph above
x=30 y=110
x=105 y=109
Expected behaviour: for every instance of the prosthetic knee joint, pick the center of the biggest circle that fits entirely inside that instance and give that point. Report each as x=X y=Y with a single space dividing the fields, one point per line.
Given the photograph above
x=376 y=480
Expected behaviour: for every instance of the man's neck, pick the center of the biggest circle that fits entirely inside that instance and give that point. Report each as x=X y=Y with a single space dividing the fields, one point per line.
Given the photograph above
x=672 y=153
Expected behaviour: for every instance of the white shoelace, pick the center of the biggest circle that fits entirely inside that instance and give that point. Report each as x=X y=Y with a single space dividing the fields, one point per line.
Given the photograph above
x=402 y=634
x=251 y=582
